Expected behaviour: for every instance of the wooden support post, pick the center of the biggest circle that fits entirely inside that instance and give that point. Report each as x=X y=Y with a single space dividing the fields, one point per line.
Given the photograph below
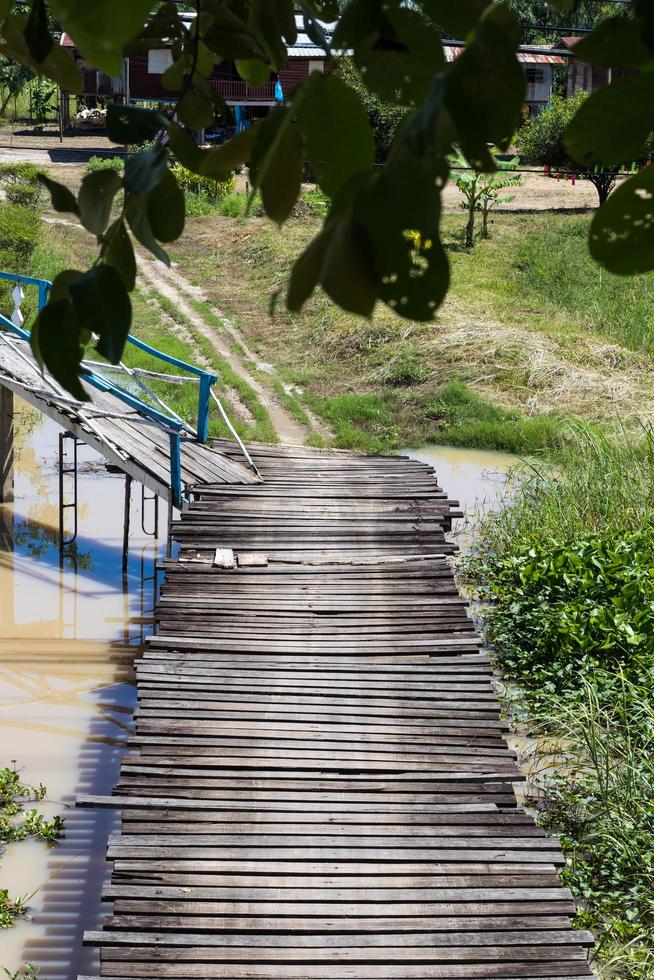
x=128 y=502
x=6 y=445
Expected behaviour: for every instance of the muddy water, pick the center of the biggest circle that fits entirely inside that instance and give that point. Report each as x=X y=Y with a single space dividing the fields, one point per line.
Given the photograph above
x=477 y=478
x=68 y=637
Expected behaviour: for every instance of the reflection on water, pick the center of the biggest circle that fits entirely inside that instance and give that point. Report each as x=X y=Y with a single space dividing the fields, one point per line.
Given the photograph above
x=477 y=478
x=68 y=636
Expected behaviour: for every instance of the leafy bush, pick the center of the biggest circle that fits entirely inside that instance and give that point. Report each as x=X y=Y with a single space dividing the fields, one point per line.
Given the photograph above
x=385 y=117
x=206 y=188
x=28 y=195
x=18 y=173
x=235 y=205
x=105 y=163
x=19 y=233
x=540 y=140
x=564 y=608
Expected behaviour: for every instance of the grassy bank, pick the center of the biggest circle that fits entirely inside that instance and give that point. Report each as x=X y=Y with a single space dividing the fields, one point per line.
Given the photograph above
x=569 y=570
x=158 y=323
x=515 y=349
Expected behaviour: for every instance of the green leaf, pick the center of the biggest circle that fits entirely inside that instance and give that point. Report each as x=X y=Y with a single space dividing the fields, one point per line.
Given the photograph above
x=622 y=231
x=336 y=130
x=327 y=10
x=101 y=28
x=485 y=88
x=57 y=65
x=253 y=71
x=359 y=20
x=222 y=159
x=306 y=271
x=103 y=306
x=37 y=32
x=55 y=341
x=399 y=61
x=456 y=19
x=130 y=124
x=61 y=282
x=615 y=43
x=63 y=200
x=412 y=274
x=613 y=125
x=167 y=209
x=348 y=268
x=173 y=77
x=119 y=253
x=277 y=163
x=314 y=30
x=144 y=170
x=96 y=197
x=196 y=110
x=139 y=221
x=185 y=148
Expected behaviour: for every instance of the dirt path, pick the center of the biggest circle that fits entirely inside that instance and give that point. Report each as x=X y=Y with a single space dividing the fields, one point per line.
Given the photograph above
x=172 y=286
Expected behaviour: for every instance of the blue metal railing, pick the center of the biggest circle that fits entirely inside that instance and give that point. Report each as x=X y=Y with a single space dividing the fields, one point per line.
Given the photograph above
x=173 y=425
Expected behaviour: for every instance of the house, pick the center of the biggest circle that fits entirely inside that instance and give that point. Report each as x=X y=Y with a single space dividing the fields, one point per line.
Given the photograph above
x=141 y=79
x=539 y=65
x=582 y=76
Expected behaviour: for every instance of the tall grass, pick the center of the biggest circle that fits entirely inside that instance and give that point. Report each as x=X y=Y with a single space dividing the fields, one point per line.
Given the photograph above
x=596 y=481
x=555 y=268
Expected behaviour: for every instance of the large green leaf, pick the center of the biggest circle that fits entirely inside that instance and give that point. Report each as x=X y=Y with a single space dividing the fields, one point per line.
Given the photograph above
x=139 y=221
x=400 y=59
x=348 y=267
x=143 y=171
x=615 y=43
x=130 y=124
x=119 y=253
x=276 y=163
x=400 y=211
x=253 y=71
x=485 y=87
x=167 y=209
x=336 y=131
x=622 y=231
x=224 y=158
x=63 y=199
x=58 y=64
x=37 y=32
x=306 y=271
x=101 y=28
x=612 y=126
x=96 y=197
x=196 y=110
x=103 y=306
x=55 y=341
x=457 y=18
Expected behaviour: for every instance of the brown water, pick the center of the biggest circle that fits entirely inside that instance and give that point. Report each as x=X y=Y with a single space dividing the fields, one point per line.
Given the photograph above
x=68 y=637
x=67 y=640
x=477 y=478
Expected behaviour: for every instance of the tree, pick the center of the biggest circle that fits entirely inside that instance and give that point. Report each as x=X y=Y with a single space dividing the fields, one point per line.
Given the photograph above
x=481 y=192
x=364 y=253
x=542 y=140
x=385 y=118
x=13 y=79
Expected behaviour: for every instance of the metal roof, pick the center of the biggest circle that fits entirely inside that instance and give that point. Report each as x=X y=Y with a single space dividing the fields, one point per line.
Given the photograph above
x=527 y=54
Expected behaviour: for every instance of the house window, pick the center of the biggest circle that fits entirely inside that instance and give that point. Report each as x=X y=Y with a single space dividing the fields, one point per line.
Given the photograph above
x=159 y=61
x=535 y=75
x=316 y=66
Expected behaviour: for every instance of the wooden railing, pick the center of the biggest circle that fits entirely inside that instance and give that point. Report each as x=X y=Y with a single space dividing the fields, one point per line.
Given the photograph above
x=240 y=91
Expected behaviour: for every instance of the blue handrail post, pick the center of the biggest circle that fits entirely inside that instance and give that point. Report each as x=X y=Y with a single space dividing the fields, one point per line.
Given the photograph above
x=44 y=289
x=176 y=469
x=203 y=407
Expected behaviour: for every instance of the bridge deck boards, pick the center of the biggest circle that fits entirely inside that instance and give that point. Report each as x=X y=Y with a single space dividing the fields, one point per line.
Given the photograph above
x=318 y=785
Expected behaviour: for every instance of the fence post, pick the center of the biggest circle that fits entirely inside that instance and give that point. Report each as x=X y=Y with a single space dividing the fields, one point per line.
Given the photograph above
x=176 y=469
x=6 y=445
x=44 y=289
x=203 y=407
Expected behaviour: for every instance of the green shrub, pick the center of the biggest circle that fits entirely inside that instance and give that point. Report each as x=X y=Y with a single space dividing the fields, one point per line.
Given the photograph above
x=28 y=195
x=19 y=233
x=206 y=189
x=235 y=205
x=566 y=607
x=18 y=173
x=540 y=140
x=105 y=163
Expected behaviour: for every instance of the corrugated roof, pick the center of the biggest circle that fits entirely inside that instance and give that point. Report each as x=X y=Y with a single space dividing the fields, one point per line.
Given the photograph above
x=525 y=55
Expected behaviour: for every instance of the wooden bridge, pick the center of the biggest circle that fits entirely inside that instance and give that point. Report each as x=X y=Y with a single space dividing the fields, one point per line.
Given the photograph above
x=126 y=421
x=319 y=787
